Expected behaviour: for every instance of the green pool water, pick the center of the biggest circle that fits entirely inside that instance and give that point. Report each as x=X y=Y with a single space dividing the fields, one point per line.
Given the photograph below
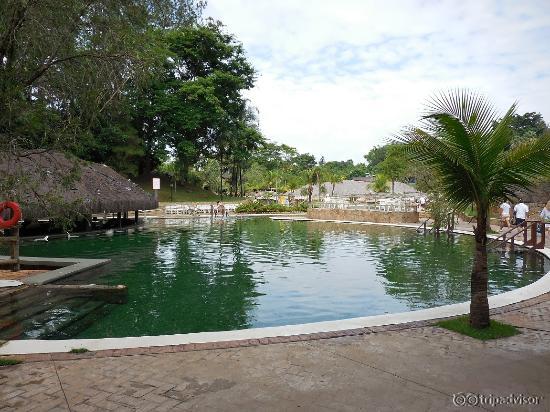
x=201 y=275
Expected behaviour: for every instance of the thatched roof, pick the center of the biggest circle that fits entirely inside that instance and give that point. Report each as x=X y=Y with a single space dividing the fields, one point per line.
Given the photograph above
x=48 y=183
x=354 y=187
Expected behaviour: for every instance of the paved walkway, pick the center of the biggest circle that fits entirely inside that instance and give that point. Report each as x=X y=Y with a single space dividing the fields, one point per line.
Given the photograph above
x=409 y=368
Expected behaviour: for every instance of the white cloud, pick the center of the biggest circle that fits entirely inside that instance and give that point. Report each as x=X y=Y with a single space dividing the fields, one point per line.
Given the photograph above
x=336 y=78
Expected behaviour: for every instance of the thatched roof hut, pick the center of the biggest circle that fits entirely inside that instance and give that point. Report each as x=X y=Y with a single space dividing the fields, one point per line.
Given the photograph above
x=49 y=184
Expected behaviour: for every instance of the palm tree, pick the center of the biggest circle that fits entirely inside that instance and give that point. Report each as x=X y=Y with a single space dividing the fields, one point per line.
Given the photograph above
x=309 y=176
x=317 y=172
x=335 y=178
x=464 y=143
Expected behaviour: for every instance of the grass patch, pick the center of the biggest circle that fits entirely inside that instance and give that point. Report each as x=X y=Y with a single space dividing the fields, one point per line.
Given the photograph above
x=9 y=362
x=184 y=193
x=79 y=350
x=494 y=331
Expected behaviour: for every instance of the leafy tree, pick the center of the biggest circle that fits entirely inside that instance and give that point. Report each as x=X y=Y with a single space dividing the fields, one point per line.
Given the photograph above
x=202 y=105
x=473 y=157
x=63 y=64
x=375 y=156
x=64 y=72
x=380 y=183
x=334 y=178
x=303 y=161
x=528 y=125
x=394 y=166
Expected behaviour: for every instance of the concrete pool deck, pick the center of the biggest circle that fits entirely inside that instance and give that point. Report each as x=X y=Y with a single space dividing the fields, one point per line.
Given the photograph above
x=56 y=268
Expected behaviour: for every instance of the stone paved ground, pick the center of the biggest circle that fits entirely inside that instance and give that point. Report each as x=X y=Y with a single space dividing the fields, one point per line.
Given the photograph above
x=417 y=368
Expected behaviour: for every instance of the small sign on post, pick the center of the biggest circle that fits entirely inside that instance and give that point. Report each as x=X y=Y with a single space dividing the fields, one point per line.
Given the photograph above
x=156 y=187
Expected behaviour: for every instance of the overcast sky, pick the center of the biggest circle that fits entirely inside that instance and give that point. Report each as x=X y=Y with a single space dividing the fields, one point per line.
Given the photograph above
x=336 y=78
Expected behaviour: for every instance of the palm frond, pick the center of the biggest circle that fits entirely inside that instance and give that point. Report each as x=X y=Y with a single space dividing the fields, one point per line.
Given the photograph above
x=462 y=139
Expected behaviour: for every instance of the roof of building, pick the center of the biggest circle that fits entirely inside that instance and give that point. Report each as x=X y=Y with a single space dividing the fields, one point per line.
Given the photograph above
x=46 y=183
x=349 y=188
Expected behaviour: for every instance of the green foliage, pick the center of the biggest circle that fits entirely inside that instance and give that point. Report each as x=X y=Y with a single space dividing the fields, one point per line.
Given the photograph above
x=472 y=158
x=439 y=209
x=259 y=207
x=9 y=361
x=208 y=173
x=395 y=165
x=65 y=66
x=79 y=350
x=527 y=126
x=495 y=330
x=380 y=183
x=375 y=156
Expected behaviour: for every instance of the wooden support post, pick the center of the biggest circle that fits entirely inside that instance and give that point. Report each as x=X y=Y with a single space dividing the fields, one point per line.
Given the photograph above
x=136 y=216
x=533 y=241
x=13 y=241
x=118 y=216
x=524 y=225
x=15 y=253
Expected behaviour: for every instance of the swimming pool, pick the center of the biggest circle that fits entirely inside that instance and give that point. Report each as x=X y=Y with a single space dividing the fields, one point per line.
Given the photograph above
x=200 y=275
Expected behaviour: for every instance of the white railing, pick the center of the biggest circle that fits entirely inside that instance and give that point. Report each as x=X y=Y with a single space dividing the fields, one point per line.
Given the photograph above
x=183 y=209
x=366 y=206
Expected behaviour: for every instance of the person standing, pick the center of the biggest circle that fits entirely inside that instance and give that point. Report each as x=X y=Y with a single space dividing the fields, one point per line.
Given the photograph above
x=421 y=203
x=221 y=209
x=520 y=212
x=545 y=216
x=505 y=214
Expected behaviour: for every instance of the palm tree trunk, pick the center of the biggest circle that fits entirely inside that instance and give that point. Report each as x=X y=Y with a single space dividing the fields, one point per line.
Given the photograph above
x=479 y=305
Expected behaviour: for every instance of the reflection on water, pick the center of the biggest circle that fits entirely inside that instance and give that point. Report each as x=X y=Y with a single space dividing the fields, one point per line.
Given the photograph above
x=198 y=275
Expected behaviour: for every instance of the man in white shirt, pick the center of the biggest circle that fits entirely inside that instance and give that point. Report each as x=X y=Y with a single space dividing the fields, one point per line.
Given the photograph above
x=505 y=214
x=520 y=211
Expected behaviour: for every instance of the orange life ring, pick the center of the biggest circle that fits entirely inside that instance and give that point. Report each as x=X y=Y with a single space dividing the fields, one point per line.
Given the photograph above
x=15 y=214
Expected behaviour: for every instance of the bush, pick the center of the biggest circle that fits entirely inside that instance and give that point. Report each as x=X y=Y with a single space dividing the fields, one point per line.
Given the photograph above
x=259 y=207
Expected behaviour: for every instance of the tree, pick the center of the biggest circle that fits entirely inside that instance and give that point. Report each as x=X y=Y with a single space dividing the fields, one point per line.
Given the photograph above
x=375 y=156
x=380 y=183
x=471 y=153
x=528 y=125
x=394 y=166
x=63 y=64
x=303 y=161
x=64 y=72
x=310 y=176
x=317 y=171
x=334 y=178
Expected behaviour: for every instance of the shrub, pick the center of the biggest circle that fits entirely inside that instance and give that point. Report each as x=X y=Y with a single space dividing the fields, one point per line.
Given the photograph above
x=79 y=350
x=259 y=207
x=9 y=361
